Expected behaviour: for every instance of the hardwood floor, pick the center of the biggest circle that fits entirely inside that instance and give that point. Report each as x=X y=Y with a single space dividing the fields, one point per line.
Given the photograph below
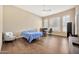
x=45 y=45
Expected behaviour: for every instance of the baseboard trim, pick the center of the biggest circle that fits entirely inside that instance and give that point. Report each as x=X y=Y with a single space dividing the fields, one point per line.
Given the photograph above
x=57 y=35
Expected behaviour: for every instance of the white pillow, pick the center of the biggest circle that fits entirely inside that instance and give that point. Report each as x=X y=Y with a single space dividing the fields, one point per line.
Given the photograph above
x=30 y=30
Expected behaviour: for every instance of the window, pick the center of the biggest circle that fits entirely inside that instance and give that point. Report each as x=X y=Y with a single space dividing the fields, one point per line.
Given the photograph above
x=45 y=23
x=55 y=24
x=66 y=19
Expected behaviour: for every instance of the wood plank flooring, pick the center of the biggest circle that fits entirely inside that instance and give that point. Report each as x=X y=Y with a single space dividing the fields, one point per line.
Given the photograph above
x=45 y=45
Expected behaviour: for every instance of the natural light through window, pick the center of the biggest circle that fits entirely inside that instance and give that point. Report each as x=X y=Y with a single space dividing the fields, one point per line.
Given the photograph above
x=55 y=24
x=45 y=23
x=66 y=19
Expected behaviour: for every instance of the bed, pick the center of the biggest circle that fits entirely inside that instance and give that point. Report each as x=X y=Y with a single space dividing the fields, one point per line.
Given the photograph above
x=31 y=35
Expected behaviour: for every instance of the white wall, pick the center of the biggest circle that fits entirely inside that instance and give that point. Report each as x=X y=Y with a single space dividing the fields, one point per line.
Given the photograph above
x=70 y=12
x=77 y=20
x=16 y=19
x=0 y=27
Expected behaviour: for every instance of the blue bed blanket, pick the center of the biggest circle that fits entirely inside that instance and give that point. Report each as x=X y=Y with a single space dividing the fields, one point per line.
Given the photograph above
x=31 y=35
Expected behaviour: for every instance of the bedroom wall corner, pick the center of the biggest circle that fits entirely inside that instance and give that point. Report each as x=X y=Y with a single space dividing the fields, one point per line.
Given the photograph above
x=17 y=19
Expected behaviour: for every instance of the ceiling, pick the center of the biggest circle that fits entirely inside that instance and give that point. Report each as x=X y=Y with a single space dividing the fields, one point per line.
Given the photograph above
x=45 y=10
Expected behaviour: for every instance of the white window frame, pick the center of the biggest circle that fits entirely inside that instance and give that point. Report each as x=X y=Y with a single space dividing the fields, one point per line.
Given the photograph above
x=57 y=21
x=65 y=20
x=45 y=23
